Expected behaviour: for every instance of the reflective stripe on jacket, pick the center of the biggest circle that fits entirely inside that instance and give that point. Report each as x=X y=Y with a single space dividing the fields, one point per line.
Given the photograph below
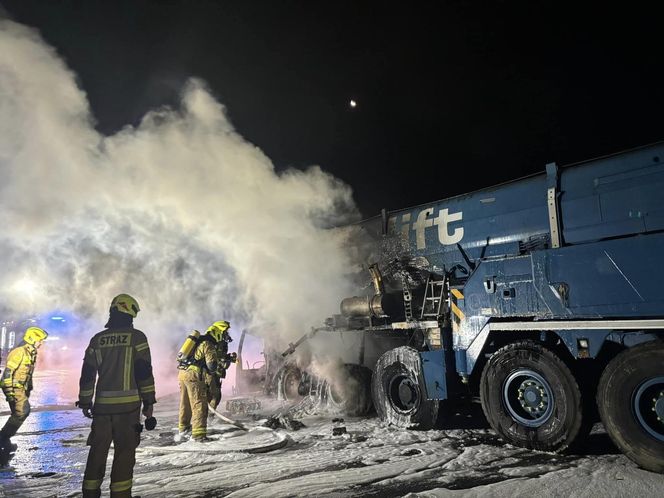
x=118 y=362
x=19 y=368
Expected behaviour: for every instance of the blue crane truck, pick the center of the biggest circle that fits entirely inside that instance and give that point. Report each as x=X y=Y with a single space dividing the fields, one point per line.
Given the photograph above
x=543 y=297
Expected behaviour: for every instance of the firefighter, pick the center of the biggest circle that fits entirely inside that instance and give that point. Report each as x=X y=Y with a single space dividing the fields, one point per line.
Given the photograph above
x=17 y=383
x=120 y=357
x=202 y=362
x=213 y=380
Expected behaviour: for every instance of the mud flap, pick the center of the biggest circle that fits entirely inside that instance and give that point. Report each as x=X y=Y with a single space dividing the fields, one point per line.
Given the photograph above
x=433 y=369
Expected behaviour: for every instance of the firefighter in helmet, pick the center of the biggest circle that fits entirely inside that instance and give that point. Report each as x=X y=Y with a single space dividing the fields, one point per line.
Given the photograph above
x=213 y=380
x=202 y=362
x=17 y=383
x=117 y=368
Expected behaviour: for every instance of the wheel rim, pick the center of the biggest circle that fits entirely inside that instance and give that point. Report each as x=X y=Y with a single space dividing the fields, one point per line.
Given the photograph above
x=648 y=404
x=404 y=393
x=528 y=398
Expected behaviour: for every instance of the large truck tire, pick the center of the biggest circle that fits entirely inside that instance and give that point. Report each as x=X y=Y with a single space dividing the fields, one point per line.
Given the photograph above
x=630 y=399
x=352 y=394
x=530 y=397
x=289 y=378
x=399 y=392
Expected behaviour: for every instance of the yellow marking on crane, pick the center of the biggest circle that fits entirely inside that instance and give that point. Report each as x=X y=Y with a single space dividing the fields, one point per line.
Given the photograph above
x=458 y=312
x=457 y=293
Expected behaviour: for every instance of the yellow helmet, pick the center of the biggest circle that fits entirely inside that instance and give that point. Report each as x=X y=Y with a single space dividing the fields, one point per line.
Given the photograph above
x=34 y=334
x=218 y=329
x=126 y=304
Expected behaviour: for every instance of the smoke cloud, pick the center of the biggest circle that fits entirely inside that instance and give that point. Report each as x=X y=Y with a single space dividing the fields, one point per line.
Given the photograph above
x=180 y=211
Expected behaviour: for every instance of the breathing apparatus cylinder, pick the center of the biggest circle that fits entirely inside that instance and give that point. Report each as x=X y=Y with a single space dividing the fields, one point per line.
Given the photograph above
x=188 y=346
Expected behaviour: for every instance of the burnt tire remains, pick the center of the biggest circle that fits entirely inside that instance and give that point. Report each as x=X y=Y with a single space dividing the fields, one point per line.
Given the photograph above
x=352 y=393
x=630 y=399
x=289 y=381
x=530 y=397
x=399 y=392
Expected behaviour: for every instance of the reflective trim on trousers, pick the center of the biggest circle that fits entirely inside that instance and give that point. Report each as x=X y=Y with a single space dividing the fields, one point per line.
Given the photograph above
x=121 y=485
x=92 y=484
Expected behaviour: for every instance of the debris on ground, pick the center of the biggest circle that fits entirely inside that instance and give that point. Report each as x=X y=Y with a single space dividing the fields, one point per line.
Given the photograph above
x=283 y=421
x=338 y=431
x=305 y=407
x=287 y=415
x=242 y=406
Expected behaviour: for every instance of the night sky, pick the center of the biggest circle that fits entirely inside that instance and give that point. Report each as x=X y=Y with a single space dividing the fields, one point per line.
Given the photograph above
x=444 y=89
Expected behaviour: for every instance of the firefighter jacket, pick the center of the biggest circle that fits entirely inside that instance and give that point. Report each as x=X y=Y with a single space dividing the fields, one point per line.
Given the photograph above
x=205 y=357
x=120 y=358
x=19 y=369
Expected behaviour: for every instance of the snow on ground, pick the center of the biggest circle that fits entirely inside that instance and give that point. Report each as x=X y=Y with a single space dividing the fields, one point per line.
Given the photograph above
x=369 y=460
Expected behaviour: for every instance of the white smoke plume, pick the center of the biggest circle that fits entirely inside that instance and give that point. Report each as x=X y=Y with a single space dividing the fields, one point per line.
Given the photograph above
x=180 y=212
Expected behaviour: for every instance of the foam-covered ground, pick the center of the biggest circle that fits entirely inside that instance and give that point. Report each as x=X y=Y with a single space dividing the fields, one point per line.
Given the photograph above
x=369 y=460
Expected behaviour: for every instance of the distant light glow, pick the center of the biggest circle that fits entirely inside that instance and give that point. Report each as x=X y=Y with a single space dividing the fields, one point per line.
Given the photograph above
x=25 y=286
x=57 y=318
x=53 y=338
x=352 y=103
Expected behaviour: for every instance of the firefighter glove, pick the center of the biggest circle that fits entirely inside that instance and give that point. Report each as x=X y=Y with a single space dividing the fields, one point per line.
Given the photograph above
x=87 y=410
x=150 y=423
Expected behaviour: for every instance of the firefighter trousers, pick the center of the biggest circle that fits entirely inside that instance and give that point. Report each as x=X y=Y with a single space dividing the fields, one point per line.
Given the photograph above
x=124 y=431
x=193 y=403
x=20 y=408
x=213 y=384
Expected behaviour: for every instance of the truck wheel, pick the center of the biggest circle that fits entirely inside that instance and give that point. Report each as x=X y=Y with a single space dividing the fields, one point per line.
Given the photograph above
x=531 y=398
x=399 y=393
x=352 y=395
x=630 y=398
x=289 y=379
